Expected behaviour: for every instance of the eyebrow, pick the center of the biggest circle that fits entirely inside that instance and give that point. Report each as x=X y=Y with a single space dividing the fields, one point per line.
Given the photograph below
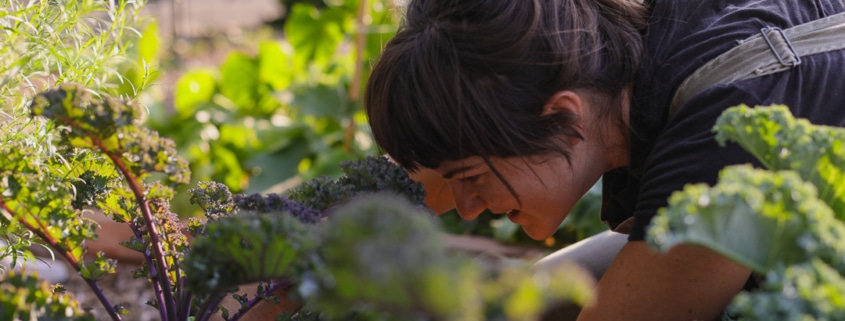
x=452 y=172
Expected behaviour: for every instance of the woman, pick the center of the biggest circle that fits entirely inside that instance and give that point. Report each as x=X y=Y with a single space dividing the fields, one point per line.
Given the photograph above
x=519 y=107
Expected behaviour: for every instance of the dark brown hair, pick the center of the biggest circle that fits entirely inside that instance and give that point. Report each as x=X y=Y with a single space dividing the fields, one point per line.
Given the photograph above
x=470 y=77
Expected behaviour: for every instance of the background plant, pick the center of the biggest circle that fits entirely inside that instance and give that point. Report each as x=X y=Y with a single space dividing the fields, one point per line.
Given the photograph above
x=785 y=223
x=291 y=108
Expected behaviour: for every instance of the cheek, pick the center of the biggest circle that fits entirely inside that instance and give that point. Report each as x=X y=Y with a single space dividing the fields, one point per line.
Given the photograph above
x=497 y=193
x=557 y=198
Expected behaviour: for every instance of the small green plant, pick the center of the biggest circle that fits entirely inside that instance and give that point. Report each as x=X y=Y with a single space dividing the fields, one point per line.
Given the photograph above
x=785 y=223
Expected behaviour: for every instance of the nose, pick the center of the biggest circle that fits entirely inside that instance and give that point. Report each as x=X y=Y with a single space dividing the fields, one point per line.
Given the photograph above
x=467 y=202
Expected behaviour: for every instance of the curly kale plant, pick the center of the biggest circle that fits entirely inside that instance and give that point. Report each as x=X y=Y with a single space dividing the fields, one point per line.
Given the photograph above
x=116 y=182
x=784 y=223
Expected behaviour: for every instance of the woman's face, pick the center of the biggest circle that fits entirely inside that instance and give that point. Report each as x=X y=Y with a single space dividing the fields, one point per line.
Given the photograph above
x=548 y=185
x=548 y=188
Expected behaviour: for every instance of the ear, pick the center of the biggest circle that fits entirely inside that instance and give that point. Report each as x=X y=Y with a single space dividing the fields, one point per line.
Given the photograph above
x=564 y=101
x=570 y=102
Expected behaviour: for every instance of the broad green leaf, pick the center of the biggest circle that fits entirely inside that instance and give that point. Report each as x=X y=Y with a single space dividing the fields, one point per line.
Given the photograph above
x=321 y=101
x=314 y=34
x=273 y=169
x=149 y=43
x=758 y=218
x=274 y=65
x=782 y=142
x=282 y=137
x=227 y=165
x=193 y=89
x=239 y=80
x=241 y=136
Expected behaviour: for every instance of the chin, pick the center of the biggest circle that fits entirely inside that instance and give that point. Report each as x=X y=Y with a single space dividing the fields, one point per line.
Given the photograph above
x=538 y=234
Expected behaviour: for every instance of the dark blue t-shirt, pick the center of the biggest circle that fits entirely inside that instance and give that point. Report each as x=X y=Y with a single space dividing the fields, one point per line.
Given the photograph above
x=682 y=35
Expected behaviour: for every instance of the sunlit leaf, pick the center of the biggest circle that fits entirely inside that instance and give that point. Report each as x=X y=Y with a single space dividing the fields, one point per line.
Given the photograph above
x=758 y=218
x=782 y=142
x=314 y=34
x=149 y=43
x=274 y=65
x=239 y=80
x=193 y=89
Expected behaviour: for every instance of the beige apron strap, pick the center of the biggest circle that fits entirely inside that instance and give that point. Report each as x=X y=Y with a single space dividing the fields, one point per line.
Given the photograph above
x=772 y=50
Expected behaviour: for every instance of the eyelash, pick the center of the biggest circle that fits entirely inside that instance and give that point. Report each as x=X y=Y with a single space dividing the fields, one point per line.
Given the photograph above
x=471 y=179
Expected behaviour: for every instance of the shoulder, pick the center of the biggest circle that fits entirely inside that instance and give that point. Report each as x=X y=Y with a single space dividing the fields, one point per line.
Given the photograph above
x=667 y=154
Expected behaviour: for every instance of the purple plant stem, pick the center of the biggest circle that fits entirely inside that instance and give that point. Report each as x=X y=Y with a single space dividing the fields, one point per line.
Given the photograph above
x=185 y=305
x=207 y=307
x=98 y=291
x=258 y=298
x=155 y=239
x=162 y=309
x=155 y=244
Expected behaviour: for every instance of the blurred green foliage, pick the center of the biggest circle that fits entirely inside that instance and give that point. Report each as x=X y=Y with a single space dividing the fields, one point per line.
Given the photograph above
x=25 y=297
x=290 y=109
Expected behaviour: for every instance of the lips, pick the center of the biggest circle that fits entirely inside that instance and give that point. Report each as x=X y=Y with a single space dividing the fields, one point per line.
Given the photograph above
x=513 y=215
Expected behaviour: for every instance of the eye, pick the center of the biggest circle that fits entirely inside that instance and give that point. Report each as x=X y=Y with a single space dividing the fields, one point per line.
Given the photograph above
x=471 y=179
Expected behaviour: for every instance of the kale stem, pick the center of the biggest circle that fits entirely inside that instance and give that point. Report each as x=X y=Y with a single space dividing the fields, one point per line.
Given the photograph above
x=185 y=306
x=155 y=244
x=273 y=287
x=159 y=293
x=140 y=199
x=207 y=306
x=179 y=290
x=98 y=291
